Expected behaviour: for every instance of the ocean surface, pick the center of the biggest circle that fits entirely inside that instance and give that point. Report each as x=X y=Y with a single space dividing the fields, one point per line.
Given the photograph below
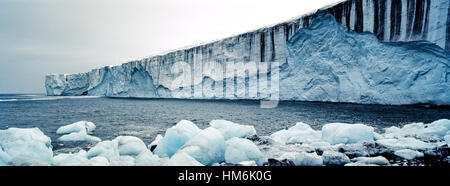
x=145 y=118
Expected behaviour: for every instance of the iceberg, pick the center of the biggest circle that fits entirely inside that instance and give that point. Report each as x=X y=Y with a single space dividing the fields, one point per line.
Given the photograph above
x=182 y=159
x=300 y=133
x=78 y=132
x=25 y=147
x=379 y=160
x=107 y=149
x=239 y=150
x=207 y=147
x=302 y=158
x=130 y=145
x=71 y=159
x=147 y=158
x=230 y=129
x=175 y=137
x=334 y=158
x=408 y=154
x=336 y=133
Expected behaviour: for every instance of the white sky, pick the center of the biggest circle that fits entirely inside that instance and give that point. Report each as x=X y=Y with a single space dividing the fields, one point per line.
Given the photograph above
x=38 y=37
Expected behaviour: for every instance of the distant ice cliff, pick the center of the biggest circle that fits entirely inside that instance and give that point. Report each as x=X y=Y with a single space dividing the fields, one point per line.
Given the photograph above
x=369 y=51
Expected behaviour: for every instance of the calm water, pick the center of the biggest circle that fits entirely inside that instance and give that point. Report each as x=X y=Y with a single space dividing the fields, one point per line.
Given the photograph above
x=145 y=118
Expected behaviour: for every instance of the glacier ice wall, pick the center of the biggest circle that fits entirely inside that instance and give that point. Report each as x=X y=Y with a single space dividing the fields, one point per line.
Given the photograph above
x=203 y=71
x=327 y=63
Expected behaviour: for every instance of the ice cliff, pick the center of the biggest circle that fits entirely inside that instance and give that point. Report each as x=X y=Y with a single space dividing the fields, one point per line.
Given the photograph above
x=369 y=51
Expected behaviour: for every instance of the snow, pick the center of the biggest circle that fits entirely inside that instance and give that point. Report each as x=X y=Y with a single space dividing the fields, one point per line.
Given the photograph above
x=447 y=138
x=182 y=159
x=230 y=129
x=334 y=158
x=207 y=147
x=300 y=133
x=336 y=133
x=408 y=154
x=78 y=131
x=27 y=146
x=302 y=158
x=175 y=137
x=238 y=150
x=248 y=163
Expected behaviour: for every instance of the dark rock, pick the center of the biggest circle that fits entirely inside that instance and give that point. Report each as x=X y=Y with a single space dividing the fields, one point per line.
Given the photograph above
x=274 y=162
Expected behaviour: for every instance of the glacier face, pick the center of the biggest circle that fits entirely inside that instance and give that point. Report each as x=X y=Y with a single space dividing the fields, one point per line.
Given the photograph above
x=327 y=63
x=246 y=66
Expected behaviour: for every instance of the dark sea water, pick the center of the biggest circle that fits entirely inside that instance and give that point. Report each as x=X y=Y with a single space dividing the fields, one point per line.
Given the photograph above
x=145 y=118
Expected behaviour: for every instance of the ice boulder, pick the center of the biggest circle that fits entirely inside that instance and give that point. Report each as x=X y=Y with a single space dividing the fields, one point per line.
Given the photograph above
x=336 y=133
x=175 y=137
x=71 y=159
x=230 y=129
x=364 y=161
x=207 y=147
x=25 y=145
x=98 y=161
x=79 y=136
x=155 y=142
x=130 y=145
x=408 y=154
x=302 y=158
x=405 y=143
x=437 y=128
x=300 y=133
x=78 y=131
x=182 y=159
x=239 y=149
x=107 y=149
x=76 y=127
x=447 y=138
x=335 y=158
x=147 y=158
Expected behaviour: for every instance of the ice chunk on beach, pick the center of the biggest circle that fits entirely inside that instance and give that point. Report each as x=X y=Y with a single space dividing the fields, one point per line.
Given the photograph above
x=408 y=154
x=379 y=160
x=239 y=149
x=79 y=136
x=302 y=158
x=405 y=143
x=336 y=133
x=76 y=127
x=447 y=138
x=230 y=129
x=438 y=128
x=335 y=158
x=155 y=142
x=98 y=161
x=207 y=147
x=147 y=158
x=107 y=149
x=77 y=132
x=175 y=137
x=300 y=133
x=71 y=159
x=130 y=145
x=25 y=145
x=182 y=159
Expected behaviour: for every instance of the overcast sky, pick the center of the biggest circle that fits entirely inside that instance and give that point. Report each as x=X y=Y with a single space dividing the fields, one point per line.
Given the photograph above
x=38 y=37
